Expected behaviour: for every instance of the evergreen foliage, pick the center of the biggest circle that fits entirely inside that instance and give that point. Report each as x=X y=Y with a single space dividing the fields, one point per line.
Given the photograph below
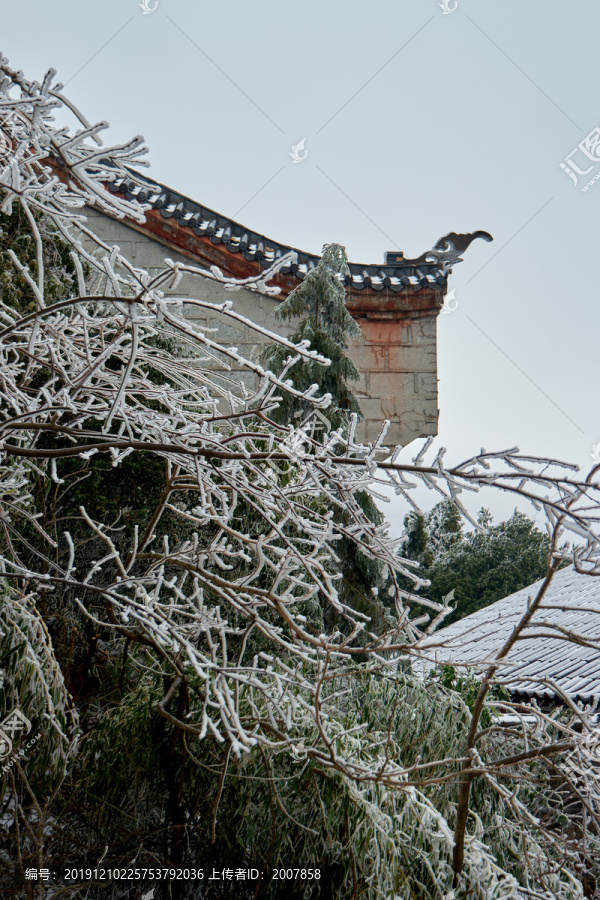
x=320 y=304
x=163 y=614
x=16 y=235
x=139 y=786
x=481 y=566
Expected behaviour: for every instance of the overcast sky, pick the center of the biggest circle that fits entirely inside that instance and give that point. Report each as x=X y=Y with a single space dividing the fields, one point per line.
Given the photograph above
x=417 y=122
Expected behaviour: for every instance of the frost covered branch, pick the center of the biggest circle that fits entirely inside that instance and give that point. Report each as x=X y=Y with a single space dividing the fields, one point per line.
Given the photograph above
x=231 y=606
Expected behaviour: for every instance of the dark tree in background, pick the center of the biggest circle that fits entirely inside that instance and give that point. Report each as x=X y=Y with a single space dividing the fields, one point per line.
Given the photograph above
x=479 y=566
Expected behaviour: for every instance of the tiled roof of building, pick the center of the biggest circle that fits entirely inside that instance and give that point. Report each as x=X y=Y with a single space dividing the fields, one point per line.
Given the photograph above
x=571 y=604
x=397 y=274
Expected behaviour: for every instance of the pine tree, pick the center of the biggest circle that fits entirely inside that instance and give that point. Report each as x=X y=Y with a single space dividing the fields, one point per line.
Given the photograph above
x=319 y=302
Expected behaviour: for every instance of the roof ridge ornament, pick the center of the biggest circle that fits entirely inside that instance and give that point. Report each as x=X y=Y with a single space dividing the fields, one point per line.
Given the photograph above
x=449 y=249
x=445 y=253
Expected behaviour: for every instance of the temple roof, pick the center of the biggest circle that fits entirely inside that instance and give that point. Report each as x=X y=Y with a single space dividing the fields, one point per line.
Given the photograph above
x=543 y=656
x=396 y=274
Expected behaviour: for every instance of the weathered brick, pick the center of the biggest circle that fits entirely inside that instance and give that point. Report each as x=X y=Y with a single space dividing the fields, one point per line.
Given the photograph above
x=369 y=357
x=392 y=384
x=412 y=359
x=386 y=331
x=427 y=385
x=227 y=333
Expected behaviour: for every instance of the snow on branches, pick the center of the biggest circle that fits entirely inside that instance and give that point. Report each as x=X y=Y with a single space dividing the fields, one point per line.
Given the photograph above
x=229 y=607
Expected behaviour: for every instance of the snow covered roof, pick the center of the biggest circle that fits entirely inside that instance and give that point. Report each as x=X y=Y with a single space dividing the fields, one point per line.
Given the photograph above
x=544 y=656
x=397 y=274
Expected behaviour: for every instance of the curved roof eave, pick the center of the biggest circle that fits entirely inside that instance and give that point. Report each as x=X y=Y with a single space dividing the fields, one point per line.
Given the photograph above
x=397 y=274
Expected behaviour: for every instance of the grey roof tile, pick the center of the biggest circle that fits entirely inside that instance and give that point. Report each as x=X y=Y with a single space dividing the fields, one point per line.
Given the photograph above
x=476 y=639
x=398 y=274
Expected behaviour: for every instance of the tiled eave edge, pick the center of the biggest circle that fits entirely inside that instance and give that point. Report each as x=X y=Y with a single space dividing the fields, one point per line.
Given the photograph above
x=383 y=303
x=407 y=289
x=195 y=230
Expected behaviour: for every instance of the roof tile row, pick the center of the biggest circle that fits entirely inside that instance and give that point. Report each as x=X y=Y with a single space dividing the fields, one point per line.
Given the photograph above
x=549 y=650
x=428 y=271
